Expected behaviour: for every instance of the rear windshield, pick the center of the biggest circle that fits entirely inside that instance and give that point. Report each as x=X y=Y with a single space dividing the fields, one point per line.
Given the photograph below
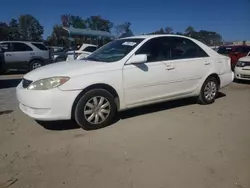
x=224 y=50
x=40 y=46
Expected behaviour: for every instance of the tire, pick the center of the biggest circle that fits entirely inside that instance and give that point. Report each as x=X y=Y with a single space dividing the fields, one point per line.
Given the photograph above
x=205 y=97
x=35 y=64
x=87 y=113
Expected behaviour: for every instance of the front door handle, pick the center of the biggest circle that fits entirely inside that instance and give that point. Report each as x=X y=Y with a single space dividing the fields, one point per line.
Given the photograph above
x=170 y=67
x=207 y=63
x=8 y=54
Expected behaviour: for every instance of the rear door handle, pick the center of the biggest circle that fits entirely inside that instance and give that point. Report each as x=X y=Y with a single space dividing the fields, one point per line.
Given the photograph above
x=207 y=63
x=8 y=54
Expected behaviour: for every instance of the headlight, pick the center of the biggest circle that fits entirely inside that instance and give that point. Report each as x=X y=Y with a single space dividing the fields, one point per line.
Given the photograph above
x=48 y=83
x=240 y=64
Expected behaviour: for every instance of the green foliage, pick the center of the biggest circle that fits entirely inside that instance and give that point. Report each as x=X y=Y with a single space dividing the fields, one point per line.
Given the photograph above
x=30 y=29
x=27 y=27
x=207 y=37
x=123 y=29
x=4 y=31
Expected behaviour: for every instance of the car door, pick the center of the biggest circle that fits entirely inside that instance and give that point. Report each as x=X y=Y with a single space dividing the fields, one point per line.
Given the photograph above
x=187 y=65
x=147 y=82
x=9 y=58
x=18 y=55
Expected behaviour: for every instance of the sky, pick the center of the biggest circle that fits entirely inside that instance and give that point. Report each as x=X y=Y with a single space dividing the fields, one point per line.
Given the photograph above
x=230 y=18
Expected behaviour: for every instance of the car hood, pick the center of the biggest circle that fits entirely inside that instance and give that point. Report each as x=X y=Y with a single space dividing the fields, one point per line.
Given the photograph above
x=246 y=58
x=68 y=68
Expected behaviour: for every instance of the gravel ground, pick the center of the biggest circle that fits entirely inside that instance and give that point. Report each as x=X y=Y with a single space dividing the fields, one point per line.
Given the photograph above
x=175 y=144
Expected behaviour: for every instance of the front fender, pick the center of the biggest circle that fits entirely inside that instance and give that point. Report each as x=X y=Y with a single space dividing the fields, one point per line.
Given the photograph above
x=113 y=79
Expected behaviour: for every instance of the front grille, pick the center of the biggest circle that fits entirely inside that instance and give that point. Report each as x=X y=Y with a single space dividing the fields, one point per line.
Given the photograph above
x=246 y=63
x=245 y=76
x=26 y=83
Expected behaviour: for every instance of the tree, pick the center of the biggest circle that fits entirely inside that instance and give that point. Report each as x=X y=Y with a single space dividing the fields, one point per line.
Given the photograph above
x=169 y=30
x=74 y=21
x=59 y=37
x=99 y=23
x=30 y=28
x=189 y=31
x=123 y=30
x=4 y=31
x=14 y=30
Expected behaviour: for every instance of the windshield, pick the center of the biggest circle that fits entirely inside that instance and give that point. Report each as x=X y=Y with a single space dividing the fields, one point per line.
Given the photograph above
x=115 y=50
x=224 y=50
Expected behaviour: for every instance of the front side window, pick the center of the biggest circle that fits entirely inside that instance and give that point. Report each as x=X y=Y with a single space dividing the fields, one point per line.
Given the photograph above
x=182 y=48
x=115 y=50
x=156 y=49
x=20 y=47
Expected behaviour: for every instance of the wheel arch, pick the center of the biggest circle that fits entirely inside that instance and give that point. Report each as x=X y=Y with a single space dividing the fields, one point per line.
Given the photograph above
x=215 y=76
x=107 y=87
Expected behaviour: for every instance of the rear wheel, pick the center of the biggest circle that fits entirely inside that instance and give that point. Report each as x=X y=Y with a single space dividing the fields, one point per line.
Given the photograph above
x=95 y=109
x=209 y=91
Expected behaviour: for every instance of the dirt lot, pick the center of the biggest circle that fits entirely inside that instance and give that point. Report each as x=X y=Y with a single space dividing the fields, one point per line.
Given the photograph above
x=172 y=145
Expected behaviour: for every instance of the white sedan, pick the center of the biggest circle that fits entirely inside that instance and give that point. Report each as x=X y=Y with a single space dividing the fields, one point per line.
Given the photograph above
x=124 y=74
x=242 y=68
x=84 y=51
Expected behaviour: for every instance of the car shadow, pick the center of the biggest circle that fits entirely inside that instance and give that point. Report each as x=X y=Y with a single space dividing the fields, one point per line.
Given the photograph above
x=242 y=82
x=58 y=125
x=9 y=83
x=70 y=124
x=5 y=112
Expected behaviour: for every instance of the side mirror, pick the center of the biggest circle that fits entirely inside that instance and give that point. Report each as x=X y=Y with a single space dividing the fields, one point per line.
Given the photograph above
x=136 y=59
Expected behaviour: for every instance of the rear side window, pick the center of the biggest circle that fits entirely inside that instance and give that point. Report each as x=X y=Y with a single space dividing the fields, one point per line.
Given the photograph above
x=40 y=46
x=90 y=49
x=20 y=47
x=182 y=48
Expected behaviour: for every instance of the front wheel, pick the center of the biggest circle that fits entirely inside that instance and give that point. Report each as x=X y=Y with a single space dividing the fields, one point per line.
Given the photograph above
x=95 y=109
x=209 y=91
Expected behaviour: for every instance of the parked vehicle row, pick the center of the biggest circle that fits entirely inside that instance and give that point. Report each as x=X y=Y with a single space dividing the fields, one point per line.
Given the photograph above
x=234 y=52
x=27 y=56
x=242 y=68
x=19 y=55
x=124 y=74
x=84 y=51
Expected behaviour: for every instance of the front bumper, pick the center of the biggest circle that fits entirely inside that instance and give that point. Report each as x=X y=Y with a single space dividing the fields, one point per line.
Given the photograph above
x=242 y=73
x=53 y=104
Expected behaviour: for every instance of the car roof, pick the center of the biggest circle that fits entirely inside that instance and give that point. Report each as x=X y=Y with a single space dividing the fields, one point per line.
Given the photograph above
x=154 y=36
x=22 y=42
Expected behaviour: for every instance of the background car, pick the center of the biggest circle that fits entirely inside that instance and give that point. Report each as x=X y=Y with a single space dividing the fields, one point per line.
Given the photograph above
x=242 y=68
x=59 y=54
x=27 y=56
x=2 y=62
x=234 y=52
x=123 y=74
x=84 y=51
